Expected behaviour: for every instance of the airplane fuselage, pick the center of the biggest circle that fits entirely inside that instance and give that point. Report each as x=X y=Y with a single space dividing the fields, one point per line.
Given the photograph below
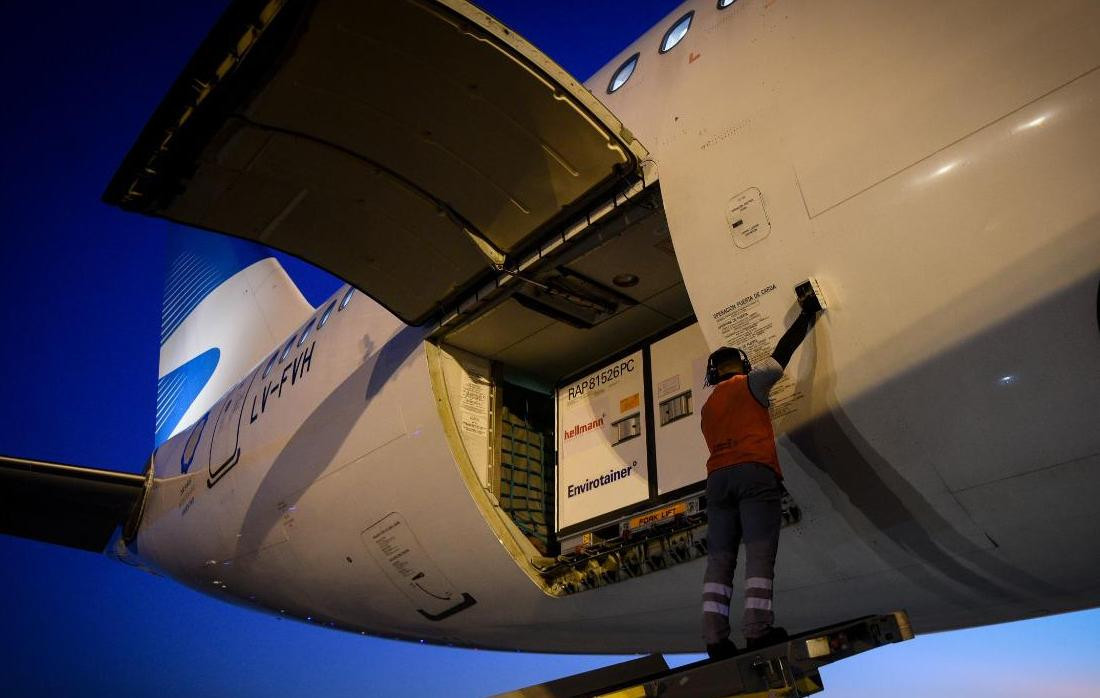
x=934 y=167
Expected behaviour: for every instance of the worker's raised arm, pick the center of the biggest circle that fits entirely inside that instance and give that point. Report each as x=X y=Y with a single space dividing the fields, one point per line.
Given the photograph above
x=768 y=372
x=784 y=349
x=794 y=335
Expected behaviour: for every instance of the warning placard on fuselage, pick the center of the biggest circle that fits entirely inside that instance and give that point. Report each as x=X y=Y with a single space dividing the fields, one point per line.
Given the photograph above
x=602 y=464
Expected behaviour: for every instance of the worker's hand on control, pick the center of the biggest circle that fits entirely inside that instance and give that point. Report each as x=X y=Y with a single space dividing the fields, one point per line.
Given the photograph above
x=809 y=303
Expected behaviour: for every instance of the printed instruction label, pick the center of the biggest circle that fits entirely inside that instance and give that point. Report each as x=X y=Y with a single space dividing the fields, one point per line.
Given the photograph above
x=668 y=386
x=748 y=323
x=748 y=221
x=392 y=544
x=475 y=405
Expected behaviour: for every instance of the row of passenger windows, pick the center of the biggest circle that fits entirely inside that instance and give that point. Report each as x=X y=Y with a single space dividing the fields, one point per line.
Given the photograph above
x=299 y=338
x=673 y=36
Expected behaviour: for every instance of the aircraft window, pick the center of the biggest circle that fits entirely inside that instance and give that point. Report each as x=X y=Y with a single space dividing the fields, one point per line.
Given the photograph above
x=286 y=349
x=270 y=363
x=324 y=315
x=305 y=333
x=622 y=74
x=723 y=4
x=677 y=32
x=347 y=297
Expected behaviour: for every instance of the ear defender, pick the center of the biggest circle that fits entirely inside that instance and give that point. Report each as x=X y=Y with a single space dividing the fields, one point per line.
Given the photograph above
x=711 y=377
x=744 y=360
x=720 y=356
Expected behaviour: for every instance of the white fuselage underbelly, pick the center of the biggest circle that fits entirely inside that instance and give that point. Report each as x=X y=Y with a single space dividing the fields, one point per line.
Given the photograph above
x=944 y=451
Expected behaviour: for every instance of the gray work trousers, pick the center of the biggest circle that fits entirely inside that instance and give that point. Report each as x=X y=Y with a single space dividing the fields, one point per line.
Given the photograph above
x=743 y=504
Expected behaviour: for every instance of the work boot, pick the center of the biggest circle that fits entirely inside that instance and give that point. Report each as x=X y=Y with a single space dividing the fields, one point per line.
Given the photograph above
x=771 y=636
x=722 y=650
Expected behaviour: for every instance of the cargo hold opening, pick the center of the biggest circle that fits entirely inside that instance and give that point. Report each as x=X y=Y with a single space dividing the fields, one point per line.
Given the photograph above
x=610 y=295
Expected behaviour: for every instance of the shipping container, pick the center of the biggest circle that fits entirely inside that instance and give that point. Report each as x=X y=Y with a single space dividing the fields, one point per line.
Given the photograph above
x=628 y=433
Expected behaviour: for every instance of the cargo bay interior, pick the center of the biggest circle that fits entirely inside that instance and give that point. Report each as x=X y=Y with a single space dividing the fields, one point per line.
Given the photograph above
x=615 y=287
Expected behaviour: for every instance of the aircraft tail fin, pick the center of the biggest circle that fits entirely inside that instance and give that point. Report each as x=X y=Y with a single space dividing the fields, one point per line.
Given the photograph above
x=227 y=304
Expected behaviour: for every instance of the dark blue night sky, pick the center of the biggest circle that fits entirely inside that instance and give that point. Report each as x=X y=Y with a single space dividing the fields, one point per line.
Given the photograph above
x=80 y=310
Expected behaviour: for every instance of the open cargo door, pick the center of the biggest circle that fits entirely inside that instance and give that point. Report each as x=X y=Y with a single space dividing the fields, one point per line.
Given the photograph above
x=410 y=147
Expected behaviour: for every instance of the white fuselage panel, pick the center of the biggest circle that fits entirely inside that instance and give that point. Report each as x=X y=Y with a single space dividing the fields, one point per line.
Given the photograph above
x=936 y=167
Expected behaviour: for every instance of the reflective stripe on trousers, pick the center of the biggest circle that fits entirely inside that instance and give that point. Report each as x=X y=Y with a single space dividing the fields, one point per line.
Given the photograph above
x=742 y=506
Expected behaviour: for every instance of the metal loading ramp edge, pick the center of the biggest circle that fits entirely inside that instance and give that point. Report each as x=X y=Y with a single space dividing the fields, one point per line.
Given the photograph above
x=789 y=668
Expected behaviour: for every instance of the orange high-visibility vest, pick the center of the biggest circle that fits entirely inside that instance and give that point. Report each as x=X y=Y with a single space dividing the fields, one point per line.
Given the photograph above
x=737 y=428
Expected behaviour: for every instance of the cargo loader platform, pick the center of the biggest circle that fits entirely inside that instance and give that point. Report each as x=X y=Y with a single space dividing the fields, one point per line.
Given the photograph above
x=789 y=668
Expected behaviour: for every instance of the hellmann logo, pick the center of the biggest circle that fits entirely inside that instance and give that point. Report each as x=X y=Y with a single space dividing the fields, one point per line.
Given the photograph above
x=581 y=428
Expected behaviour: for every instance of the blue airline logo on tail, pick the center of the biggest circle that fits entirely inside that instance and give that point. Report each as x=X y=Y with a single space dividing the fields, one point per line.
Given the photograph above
x=178 y=389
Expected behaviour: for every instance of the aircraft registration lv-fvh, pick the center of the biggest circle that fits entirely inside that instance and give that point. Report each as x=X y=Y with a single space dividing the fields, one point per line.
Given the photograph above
x=490 y=436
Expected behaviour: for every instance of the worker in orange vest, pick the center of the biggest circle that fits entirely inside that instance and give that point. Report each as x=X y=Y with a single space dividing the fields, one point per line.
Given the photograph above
x=743 y=486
